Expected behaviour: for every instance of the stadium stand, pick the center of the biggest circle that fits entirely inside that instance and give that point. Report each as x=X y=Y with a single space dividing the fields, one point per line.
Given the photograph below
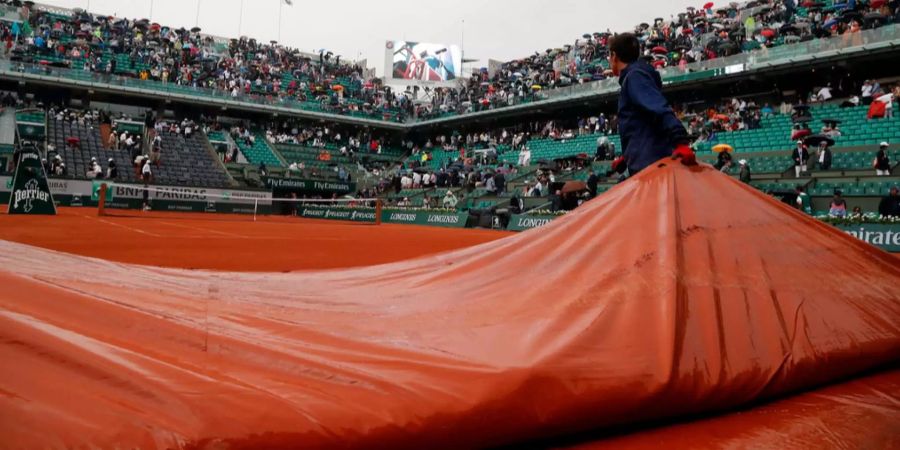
x=77 y=142
x=187 y=161
x=775 y=131
x=257 y=150
x=288 y=77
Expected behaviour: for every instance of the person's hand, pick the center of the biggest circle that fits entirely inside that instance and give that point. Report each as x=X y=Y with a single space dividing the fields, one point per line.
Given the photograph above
x=618 y=166
x=685 y=154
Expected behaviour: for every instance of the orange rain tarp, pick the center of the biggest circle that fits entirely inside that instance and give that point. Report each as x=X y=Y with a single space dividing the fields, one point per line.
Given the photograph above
x=679 y=292
x=859 y=414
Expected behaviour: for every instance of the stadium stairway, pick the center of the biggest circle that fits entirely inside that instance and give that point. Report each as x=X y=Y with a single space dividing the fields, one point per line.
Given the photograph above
x=223 y=141
x=219 y=158
x=8 y=127
x=188 y=162
x=260 y=151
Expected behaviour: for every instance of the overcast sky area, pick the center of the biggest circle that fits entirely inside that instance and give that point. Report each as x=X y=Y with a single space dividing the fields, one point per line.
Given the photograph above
x=494 y=29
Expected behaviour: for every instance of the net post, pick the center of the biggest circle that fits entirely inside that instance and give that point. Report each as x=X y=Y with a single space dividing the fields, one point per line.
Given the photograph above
x=101 y=202
x=378 y=207
x=255 y=208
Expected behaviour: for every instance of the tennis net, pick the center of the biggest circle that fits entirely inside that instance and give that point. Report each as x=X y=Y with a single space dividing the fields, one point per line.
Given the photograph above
x=152 y=201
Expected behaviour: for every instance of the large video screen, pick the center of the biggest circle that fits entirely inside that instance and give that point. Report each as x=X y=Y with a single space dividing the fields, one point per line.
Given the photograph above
x=417 y=61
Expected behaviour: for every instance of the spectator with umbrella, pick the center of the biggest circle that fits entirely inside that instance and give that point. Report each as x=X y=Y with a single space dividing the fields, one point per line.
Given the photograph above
x=723 y=159
x=831 y=128
x=823 y=150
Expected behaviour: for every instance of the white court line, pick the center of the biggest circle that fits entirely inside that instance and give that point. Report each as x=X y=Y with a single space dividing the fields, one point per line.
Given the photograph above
x=264 y=238
x=251 y=238
x=248 y=238
x=136 y=230
x=204 y=230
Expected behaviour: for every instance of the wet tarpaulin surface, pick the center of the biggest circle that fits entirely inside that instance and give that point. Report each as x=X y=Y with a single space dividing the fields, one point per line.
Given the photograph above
x=676 y=293
x=859 y=414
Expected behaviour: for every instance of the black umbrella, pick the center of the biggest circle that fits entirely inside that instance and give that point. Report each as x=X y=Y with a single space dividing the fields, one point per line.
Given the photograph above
x=817 y=139
x=802 y=119
x=821 y=33
x=848 y=16
x=728 y=46
x=195 y=30
x=788 y=28
x=831 y=121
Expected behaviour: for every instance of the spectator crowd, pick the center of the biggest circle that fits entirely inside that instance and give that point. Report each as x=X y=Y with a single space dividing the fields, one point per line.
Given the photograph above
x=247 y=68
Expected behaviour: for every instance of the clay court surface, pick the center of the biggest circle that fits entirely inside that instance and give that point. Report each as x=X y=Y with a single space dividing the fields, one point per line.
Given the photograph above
x=232 y=242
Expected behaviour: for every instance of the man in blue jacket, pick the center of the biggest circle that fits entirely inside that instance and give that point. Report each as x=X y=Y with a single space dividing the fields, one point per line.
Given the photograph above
x=647 y=125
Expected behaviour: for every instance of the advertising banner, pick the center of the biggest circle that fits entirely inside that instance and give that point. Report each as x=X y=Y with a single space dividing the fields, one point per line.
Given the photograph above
x=30 y=193
x=287 y=185
x=183 y=194
x=410 y=217
x=885 y=237
x=68 y=192
x=332 y=213
x=65 y=192
x=430 y=218
x=526 y=222
x=188 y=199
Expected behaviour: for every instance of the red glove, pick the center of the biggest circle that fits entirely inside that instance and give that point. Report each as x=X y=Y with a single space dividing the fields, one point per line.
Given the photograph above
x=685 y=154
x=619 y=165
